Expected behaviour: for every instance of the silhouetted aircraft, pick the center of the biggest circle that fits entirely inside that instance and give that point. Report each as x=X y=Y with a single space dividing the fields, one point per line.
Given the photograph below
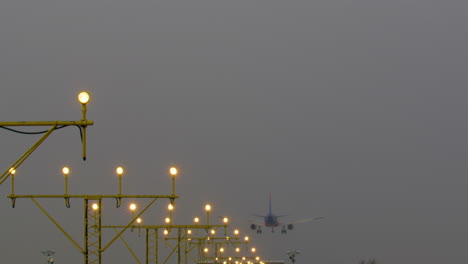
x=271 y=221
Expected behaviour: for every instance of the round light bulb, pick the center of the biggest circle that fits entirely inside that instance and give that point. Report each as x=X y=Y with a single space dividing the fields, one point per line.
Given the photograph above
x=225 y=220
x=173 y=171
x=207 y=207
x=170 y=207
x=119 y=170
x=167 y=220
x=65 y=170
x=95 y=206
x=139 y=220
x=83 y=97
x=12 y=171
x=133 y=207
x=196 y=220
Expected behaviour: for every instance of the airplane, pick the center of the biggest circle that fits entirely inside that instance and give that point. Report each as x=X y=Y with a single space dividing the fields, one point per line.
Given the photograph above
x=271 y=220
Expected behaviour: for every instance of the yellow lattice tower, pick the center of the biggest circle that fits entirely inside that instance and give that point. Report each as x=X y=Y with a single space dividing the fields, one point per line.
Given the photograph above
x=92 y=231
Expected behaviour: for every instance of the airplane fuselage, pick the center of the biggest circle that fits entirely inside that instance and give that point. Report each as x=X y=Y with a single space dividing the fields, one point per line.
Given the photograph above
x=271 y=220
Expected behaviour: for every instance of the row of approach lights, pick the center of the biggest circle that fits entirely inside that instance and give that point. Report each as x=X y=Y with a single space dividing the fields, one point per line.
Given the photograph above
x=120 y=171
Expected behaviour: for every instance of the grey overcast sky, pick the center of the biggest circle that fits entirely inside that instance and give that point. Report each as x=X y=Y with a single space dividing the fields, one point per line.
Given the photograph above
x=350 y=109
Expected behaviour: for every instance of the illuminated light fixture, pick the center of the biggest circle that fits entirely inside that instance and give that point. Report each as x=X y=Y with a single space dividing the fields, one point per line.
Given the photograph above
x=95 y=206
x=119 y=171
x=173 y=171
x=65 y=170
x=170 y=207
x=83 y=97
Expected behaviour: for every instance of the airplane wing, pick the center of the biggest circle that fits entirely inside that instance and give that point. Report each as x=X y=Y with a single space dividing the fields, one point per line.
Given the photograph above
x=259 y=223
x=307 y=220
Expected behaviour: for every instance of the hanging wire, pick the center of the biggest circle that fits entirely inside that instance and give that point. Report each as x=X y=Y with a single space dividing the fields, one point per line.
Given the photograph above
x=31 y=133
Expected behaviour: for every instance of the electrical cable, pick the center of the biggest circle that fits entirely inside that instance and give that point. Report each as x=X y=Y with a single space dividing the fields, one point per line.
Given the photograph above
x=31 y=133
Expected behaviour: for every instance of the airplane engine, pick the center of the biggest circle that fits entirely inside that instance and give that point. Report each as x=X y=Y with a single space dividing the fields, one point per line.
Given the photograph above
x=253 y=226
x=290 y=227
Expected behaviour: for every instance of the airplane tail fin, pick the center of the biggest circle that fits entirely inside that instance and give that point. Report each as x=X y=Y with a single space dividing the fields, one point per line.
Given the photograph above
x=269 y=210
